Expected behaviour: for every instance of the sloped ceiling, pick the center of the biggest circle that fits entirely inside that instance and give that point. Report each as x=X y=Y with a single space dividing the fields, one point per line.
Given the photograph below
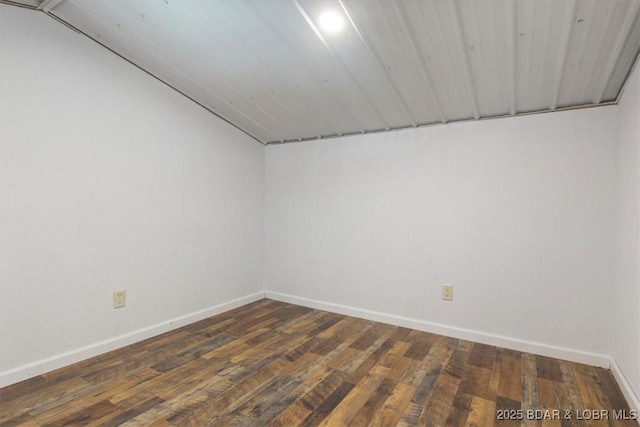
x=271 y=70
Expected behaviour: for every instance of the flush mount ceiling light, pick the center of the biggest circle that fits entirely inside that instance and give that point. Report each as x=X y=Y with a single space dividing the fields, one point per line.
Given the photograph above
x=331 y=21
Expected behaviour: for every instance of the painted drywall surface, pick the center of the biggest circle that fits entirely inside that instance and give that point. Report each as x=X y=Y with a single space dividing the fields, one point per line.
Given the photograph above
x=516 y=213
x=111 y=180
x=625 y=345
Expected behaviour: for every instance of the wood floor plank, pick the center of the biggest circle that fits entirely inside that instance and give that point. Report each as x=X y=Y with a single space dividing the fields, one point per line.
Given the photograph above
x=482 y=356
x=87 y=415
x=364 y=416
x=548 y=400
x=349 y=406
x=438 y=408
x=477 y=382
x=291 y=416
x=548 y=368
x=482 y=413
x=327 y=405
x=421 y=343
x=91 y=396
x=21 y=420
x=507 y=406
x=459 y=411
x=571 y=392
x=263 y=406
x=591 y=397
x=510 y=385
x=394 y=406
x=273 y=363
x=168 y=385
x=530 y=398
x=51 y=393
x=435 y=361
x=546 y=393
x=322 y=390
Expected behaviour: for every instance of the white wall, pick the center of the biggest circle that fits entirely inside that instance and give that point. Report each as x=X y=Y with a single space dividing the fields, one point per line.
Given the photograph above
x=111 y=180
x=516 y=213
x=625 y=345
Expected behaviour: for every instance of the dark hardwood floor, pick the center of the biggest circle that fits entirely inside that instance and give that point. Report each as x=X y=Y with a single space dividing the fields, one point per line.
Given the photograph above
x=272 y=363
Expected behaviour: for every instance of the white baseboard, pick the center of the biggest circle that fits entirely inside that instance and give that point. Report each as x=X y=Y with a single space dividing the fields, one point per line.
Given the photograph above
x=30 y=370
x=39 y=367
x=594 y=359
x=632 y=398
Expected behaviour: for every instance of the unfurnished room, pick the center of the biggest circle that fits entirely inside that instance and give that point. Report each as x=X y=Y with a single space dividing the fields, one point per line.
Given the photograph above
x=320 y=212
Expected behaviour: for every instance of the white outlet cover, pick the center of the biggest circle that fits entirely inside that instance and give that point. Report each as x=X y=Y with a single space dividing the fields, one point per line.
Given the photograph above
x=447 y=292
x=119 y=299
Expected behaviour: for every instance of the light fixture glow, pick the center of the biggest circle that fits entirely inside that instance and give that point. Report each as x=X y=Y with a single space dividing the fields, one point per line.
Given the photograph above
x=331 y=21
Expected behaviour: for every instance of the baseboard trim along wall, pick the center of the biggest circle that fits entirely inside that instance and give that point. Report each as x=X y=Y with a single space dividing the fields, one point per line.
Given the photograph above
x=30 y=370
x=594 y=359
x=632 y=398
x=520 y=345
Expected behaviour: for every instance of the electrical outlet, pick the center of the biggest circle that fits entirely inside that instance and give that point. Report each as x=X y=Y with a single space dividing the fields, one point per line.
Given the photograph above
x=447 y=292
x=119 y=299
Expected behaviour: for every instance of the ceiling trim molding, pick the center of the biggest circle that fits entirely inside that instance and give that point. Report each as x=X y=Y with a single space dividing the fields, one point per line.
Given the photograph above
x=49 y=5
x=77 y=30
x=426 y=125
x=633 y=11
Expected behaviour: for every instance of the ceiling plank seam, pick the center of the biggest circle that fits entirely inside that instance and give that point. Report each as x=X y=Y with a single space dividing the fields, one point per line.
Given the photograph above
x=353 y=78
x=599 y=51
x=273 y=71
x=247 y=46
x=247 y=99
x=454 y=9
x=308 y=69
x=563 y=54
x=374 y=54
x=229 y=104
x=589 y=21
x=424 y=70
x=512 y=60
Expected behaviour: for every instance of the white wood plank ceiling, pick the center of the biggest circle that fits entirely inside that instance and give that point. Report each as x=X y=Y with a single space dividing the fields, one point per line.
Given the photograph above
x=270 y=69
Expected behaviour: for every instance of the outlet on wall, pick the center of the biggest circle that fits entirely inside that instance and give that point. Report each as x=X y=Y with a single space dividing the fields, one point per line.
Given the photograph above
x=447 y=292
x=119 y=299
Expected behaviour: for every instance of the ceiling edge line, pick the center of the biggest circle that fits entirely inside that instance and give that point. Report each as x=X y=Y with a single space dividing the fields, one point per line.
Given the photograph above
x=16 y=4
x=62 y=21
x=49 y=5
x=634 y=64
x=465 y=120
x=614 y=57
